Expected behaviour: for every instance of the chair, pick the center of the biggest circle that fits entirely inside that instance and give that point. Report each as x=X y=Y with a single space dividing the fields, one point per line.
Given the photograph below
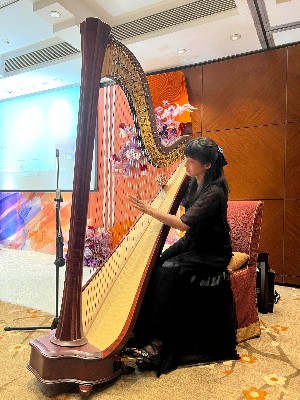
x=245 y=218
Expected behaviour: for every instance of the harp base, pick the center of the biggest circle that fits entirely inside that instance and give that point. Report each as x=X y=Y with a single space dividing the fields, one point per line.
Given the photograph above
x=85 y=365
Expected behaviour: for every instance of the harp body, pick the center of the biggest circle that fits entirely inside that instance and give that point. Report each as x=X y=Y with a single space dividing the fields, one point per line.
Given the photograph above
x=95 y=322
x=108 y=330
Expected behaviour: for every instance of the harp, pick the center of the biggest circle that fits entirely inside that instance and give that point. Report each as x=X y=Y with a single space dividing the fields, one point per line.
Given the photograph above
x=95 y=321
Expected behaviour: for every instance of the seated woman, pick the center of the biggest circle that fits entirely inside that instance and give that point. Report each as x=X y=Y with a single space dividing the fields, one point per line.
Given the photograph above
x=188 y=313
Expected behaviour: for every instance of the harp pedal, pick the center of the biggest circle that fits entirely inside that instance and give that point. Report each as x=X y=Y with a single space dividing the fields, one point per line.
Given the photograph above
x=127 y=359
x=126 y=369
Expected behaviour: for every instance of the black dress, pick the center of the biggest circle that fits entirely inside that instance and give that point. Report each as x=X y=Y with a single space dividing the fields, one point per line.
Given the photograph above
x=189 y=303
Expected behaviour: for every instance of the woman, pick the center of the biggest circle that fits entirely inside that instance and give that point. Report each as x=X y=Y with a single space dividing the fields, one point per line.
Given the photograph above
x=188 y=313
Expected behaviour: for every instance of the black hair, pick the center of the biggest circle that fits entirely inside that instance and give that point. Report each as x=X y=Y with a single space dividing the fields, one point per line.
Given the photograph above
x=206 y=151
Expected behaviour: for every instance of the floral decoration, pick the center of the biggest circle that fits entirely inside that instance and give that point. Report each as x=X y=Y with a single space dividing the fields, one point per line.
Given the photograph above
x=274 y=379
x=165 y=116
x=246 y=358
x=131 y=160
x=17 y=348
x=263 y=327
x=98 y=246
x=279 y=328
x=254 y=393
x=228 y=372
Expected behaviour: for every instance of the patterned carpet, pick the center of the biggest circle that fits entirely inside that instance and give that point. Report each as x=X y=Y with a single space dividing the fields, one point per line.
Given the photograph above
x=268 y=368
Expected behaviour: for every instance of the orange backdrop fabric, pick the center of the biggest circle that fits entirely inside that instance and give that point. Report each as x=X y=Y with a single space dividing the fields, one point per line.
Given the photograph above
x=169 y=86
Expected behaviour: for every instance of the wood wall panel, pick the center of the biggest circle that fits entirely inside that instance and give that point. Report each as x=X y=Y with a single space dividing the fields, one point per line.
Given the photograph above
x=291 y=238
x=193 y=80
x=293 y=83
x=246 y=91
x=271 y=235
x=291 y=280
x=244 y=106
x=255 y=158
x=292 y=166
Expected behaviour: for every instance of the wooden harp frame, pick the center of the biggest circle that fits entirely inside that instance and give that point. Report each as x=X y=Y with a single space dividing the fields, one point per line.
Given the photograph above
x=66 y=355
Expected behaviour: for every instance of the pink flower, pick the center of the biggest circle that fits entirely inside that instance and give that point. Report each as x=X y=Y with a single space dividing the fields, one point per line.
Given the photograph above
x=158 y=111
x=131 y=159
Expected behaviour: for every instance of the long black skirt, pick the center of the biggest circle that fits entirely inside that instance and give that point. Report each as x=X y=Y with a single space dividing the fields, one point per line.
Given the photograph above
x=191 y=310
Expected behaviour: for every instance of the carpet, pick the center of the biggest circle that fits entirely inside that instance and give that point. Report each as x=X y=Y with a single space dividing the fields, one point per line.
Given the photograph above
x=268 y=368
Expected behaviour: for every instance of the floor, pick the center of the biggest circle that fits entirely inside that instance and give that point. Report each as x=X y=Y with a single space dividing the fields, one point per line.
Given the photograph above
x=28 y=278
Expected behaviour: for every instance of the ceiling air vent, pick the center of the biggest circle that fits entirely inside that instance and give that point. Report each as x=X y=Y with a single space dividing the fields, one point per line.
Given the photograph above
x=178 y=15
x=7 y=3
x=55 y=52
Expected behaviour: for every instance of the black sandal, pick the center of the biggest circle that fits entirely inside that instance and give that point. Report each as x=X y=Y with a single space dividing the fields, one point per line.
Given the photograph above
x=147 y=359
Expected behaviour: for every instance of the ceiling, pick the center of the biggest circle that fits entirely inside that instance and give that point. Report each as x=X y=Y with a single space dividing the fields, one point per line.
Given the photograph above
x=40 y=52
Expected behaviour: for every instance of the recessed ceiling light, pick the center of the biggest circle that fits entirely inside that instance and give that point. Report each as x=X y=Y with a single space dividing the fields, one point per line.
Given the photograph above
x=236 y=36
x=55 y=14
x=181 y=51
x=5 y=41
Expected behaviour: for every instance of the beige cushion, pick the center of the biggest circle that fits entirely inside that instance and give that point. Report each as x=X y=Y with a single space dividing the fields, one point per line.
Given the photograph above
x=237 y=261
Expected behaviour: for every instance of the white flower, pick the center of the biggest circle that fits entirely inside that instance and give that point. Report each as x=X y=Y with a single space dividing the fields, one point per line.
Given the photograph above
x=128 y=154
x=123 y=133
x=136 y=154
x=88 y=252
x=274 y=343
x=274 y=379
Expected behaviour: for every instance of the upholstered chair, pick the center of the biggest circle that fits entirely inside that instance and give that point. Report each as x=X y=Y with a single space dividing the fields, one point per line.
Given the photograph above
x=245 y=221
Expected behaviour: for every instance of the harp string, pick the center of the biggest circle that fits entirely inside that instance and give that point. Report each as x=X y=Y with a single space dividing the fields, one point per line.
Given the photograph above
x=110 y=296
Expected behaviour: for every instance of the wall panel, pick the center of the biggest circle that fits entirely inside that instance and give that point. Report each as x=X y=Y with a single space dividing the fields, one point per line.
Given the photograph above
x=293 y=83
x=292 y=166
x=291 y=241
x=251 y=108
x=245 y=91
x=255 y=158
x=193 y=80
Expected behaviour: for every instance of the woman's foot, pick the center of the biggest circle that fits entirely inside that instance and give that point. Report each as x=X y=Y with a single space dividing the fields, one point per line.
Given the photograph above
x=149 y=355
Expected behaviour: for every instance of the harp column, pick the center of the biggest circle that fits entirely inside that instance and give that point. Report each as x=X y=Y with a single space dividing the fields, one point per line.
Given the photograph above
x=95 y=37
